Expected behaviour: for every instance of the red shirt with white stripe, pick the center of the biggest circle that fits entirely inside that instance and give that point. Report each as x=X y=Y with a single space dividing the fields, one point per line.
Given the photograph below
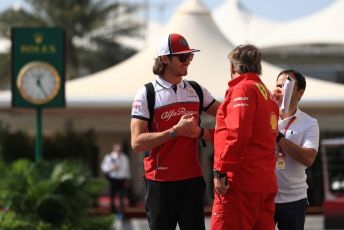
x=176 y=159
x=245 y=135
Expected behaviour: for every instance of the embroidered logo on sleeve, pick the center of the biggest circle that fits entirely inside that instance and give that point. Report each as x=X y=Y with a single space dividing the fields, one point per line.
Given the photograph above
x=240 y=101
x=137 y=104
x=262 y=90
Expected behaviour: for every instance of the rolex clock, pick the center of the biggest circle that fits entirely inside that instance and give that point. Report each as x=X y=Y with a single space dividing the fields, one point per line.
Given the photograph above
x=38 y=82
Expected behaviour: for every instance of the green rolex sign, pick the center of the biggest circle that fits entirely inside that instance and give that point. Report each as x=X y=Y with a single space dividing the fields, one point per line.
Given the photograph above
x=38 y=67
x=38 y=73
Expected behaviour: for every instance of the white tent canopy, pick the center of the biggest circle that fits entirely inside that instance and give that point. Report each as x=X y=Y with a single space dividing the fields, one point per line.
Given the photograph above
x=119 y=84
x=323 y=27
x=209 y=67
x=240 y=26
x=116 y=86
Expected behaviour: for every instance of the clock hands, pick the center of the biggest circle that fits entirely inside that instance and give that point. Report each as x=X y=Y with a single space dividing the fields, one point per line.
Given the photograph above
x=38 y=82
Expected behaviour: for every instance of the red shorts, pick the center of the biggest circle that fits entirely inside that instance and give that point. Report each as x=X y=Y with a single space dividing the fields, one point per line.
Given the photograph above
x=237 y=210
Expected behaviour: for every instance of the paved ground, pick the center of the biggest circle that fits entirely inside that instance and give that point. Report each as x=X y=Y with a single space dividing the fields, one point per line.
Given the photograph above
x=313 y=222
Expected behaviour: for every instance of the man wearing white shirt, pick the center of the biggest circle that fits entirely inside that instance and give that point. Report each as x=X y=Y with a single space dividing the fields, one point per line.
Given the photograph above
x=297 y=146
x=116 y=167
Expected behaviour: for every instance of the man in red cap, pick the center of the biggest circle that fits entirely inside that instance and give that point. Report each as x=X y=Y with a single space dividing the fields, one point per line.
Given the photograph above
x=167 y=127
x=244 y=141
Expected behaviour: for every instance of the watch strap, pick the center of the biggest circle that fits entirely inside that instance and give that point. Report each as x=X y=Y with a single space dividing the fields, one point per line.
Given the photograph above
x=173 y=133
x=279 y=136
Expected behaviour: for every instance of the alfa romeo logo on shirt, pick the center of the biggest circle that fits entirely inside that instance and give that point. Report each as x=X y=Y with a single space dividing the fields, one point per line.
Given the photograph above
x=173 y=113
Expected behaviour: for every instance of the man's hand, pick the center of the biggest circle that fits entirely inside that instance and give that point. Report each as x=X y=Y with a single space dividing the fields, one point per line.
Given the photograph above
x=187 y=126
x=114 y=167
x=278 y=93
x=221 y=185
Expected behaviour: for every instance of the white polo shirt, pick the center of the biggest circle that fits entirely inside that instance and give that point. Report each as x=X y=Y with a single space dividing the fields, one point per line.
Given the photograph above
x=304 y=131
x=176 y=159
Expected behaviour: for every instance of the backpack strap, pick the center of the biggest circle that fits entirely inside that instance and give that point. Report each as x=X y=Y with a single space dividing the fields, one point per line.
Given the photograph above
x=150 y=102
x=199 y=92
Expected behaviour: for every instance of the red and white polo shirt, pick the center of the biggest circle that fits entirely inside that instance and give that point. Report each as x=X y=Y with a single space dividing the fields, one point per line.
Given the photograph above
x=176 y=159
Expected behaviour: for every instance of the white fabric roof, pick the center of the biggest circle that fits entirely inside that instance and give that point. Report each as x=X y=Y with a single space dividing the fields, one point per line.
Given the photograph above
x=117 y=86
x=240 y=26
x=324 y=27
x=209 y=67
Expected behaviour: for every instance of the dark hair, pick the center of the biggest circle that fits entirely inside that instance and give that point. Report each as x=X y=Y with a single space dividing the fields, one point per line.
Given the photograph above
x=159 y=66
x=246 y=59
x=300 y=79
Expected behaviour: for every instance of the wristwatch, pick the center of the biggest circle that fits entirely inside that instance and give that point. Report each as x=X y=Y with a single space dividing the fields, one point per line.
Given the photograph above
x=173 y=133
x=218 y=174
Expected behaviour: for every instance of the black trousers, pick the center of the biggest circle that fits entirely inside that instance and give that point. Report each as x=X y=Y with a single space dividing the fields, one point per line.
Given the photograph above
x=117 y=186
x=169 y=203
x=291 y=216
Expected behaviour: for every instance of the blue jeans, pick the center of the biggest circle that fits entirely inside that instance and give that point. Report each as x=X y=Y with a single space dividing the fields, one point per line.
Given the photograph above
x=291 y=216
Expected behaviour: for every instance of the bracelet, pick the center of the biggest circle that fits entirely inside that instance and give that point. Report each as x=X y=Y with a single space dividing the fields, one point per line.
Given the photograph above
x=279 y=136
x=201 y=133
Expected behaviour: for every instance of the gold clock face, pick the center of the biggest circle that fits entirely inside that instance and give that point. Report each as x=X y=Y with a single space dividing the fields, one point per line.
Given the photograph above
x=38 y=82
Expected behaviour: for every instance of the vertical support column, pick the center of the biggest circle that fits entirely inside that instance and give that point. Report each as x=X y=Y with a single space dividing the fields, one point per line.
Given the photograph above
x=38 y=140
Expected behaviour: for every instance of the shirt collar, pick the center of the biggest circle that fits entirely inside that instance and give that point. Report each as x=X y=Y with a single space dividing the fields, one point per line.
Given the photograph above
x=297 y=114
x=247 y=76
x=166 y=84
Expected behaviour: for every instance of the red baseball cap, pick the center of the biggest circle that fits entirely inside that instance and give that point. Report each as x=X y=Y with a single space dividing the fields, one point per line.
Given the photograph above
x=174 y=44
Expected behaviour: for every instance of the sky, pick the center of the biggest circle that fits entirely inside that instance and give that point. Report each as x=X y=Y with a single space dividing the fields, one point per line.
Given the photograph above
x=279 y=10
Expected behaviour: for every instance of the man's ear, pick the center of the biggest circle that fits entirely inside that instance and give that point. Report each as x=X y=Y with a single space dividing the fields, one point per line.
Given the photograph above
x=233 y=69
x=300 y=93
x=165 y=59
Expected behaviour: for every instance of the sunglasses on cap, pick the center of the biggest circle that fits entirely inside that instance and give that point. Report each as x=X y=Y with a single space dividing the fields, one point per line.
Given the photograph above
x=183 y=57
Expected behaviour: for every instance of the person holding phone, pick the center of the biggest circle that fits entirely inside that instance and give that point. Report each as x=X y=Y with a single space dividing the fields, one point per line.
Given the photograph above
x=298 y=143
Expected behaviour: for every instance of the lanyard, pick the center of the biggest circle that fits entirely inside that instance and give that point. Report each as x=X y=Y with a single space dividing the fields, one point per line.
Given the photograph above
x=288 y=125
x=281 y=153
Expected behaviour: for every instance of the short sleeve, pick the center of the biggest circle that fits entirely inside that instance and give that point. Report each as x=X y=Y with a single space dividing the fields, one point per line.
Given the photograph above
x=140 y=107
x=208 y=99
x=311 y=136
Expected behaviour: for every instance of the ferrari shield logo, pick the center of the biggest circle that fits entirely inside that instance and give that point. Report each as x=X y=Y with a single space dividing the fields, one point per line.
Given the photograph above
x=262 y=90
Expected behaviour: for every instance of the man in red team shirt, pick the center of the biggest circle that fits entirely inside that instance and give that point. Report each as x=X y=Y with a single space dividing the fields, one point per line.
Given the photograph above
x=173 y=176
x=244 y=142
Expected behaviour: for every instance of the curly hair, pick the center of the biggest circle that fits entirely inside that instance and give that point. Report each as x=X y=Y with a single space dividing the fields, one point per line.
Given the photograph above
x=159 y=66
